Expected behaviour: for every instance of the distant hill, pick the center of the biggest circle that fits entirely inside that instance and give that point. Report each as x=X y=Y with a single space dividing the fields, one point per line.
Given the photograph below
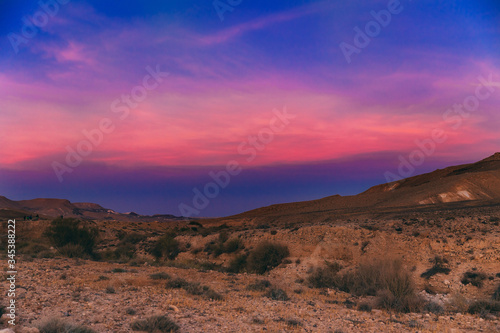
x=51 y=208
x=463 y=185
x=468 y=185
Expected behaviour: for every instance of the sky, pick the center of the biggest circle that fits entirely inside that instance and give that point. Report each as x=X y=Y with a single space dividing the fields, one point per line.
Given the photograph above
x=211 y=108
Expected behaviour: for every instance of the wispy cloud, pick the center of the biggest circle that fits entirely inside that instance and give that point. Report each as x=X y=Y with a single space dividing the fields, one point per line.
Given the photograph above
x=260 y=23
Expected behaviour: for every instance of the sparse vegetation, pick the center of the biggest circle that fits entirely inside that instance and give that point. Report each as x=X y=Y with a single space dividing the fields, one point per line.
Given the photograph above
x=386 y=279
x=224 y=245
x=71 y=238
x=110 y=290
x=121 y=253
x=433 y=307
x=474 y=278
x=130 y=311
x=118 y=270
x=439 y=267
x=259 y=285
x=194 y=288
x=294 y=323
x=366 y=307
x=55 y=325
x=277 y=294
x=458 y=303
x=167 y=246
x=484 y=308
x=266 y=256
x=155 y=324
x=496 y=294
x=325 y=277
x=202 y=265
x=237 y=264
x=159 y=276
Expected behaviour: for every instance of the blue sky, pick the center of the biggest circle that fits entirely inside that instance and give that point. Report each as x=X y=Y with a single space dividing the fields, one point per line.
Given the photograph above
x=353 y=120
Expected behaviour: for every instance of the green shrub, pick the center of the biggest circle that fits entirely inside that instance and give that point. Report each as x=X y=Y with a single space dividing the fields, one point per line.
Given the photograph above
x=59 y=326
x=167 y=246
x=81 y=240
x=155 y=324
x=266 y=256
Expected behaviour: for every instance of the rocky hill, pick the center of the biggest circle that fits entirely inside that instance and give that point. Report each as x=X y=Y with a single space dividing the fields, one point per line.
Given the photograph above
x=472 y=185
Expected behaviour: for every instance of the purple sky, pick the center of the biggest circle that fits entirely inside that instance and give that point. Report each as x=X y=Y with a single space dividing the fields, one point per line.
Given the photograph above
x=153 y=97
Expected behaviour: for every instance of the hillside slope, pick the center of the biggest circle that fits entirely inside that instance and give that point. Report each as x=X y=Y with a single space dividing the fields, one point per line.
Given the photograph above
x=468 y=184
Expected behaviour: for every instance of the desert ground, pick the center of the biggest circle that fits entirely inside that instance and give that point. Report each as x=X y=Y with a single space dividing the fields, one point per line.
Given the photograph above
x=201 y=283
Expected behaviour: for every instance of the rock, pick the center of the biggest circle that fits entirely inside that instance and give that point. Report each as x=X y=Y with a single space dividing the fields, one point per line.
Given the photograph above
x=7 y=330
x=28 y=330
x=173 y=308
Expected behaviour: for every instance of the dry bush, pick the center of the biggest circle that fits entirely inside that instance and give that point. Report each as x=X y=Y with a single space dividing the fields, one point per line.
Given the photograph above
x=266 y=256
x=439 y=267
x=277 y=294
x=55 y=325
x=233 y=245
x=110 y=290
x=259 y=285
x=167 y=246
x=366 y=307
x=71 y=238
x=73 y=251
x=458 y=303
x=194 y=288
x=325 y=277
x=237 y=264
x=202 y=265
x=496 y=294
x=474 y=278
x=159 y=276
x=294 y=323
x=155 y=324
x=484 y=308
x=386 y=279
